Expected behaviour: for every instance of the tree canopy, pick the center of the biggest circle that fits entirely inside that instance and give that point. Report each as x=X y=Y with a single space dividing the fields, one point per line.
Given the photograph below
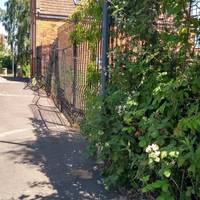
x=16 y=22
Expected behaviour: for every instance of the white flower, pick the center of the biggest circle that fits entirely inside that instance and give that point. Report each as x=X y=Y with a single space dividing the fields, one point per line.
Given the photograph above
x=155 y=147
x=148 y=149
x=157 y=153
x=154 y=153
x=157 y=159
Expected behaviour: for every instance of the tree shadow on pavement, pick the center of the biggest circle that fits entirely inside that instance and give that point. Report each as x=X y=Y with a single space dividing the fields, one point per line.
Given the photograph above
x=59 y=151
x=16 y=79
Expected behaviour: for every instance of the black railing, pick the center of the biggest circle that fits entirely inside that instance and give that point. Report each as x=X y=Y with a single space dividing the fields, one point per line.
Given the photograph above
x=66 y=73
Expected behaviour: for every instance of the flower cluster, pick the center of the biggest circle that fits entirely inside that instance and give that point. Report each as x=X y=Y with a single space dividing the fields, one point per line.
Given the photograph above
x=154 y=153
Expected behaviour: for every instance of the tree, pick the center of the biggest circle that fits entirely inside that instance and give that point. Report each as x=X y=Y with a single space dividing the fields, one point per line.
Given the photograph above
x=1 y=13
x=22 y=37
x=16 y=22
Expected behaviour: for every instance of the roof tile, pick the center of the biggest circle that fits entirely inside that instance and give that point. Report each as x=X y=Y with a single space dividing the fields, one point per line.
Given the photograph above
x=56 y=7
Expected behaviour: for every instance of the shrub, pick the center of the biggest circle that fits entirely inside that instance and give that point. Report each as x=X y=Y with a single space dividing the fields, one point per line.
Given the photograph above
x=6 y=62
x=146 y=130
x=26 y=71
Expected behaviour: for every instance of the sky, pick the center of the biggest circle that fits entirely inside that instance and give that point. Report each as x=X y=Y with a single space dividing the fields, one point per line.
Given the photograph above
x=2 y=30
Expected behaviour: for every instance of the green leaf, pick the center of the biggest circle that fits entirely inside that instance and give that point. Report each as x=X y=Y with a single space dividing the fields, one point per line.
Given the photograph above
x=155 y=134
x=142 y=143
x=174 y=154
x=165 y=187
x=163 y=154
x=181 y=160
x=167 y=173
x=156 y=185
x=189 y=191
x=192 y=169
x=145 y=178
x=165 y=196
x=100 y=133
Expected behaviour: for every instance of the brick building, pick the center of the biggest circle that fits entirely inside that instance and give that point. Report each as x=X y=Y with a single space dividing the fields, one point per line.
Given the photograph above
x=46 y=17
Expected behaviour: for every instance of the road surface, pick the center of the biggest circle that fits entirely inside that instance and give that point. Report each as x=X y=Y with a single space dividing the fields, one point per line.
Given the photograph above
x=41 y=157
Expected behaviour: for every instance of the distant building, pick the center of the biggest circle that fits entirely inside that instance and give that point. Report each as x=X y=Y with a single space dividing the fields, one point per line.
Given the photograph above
x=46 y=17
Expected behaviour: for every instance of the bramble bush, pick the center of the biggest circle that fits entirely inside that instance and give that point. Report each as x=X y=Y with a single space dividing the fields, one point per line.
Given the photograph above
x=146 y=130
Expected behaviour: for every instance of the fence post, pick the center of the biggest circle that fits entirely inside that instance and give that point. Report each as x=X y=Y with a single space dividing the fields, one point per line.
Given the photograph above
x=105 y=49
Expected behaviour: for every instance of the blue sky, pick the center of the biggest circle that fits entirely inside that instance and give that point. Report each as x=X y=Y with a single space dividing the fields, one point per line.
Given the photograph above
x=2 y=6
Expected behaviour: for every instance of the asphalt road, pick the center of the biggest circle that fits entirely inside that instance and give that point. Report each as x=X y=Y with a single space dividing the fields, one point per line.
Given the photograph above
x=41 y=157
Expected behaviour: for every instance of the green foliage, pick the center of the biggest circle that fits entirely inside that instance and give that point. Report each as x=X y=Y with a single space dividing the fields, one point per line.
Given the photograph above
x=147 y=128
x=26 y=69
x=16 y=21
x=88 y=18
x=5 y=58
x=6 y=62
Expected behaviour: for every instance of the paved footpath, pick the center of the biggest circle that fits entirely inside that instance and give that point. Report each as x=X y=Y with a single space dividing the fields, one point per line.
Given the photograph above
x=41 y=157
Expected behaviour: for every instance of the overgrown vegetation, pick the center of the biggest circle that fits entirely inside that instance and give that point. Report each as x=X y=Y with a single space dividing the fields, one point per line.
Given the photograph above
x=147 y=128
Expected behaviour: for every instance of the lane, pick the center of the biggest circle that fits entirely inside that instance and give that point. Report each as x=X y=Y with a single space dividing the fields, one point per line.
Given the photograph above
x=41 y=156
x=16 y=134
x=14 y=106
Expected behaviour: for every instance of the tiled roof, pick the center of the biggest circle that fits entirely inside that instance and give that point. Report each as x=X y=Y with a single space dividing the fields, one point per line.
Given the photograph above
x=55 y=7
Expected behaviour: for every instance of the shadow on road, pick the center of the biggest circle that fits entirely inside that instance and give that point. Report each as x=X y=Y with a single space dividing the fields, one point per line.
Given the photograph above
x=59 y=152
x=16 y=79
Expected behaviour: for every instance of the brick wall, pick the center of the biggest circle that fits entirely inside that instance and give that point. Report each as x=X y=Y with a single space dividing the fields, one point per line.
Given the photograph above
x=46 y=31
x=65 y=54
x=63 y=35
